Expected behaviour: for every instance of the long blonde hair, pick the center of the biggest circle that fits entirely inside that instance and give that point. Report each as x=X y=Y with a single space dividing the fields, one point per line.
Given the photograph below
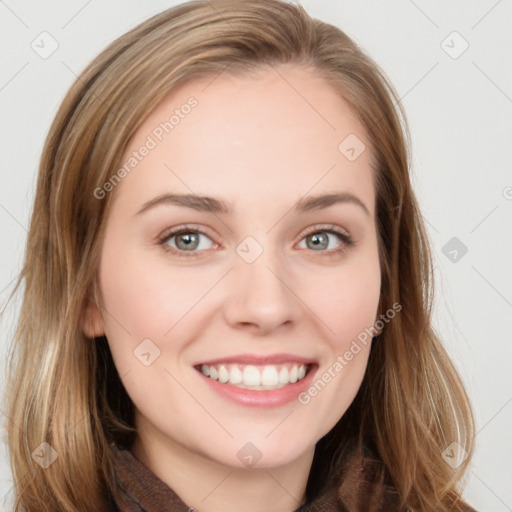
x=63 y=389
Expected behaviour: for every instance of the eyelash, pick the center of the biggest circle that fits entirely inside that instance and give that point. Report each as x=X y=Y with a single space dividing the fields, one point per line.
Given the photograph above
x=346 y=239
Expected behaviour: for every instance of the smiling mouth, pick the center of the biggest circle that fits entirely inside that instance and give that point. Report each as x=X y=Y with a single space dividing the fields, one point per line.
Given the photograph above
x=256 y=377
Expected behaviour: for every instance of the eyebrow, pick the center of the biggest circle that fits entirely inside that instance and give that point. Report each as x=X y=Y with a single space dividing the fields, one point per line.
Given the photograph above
x=219 y=206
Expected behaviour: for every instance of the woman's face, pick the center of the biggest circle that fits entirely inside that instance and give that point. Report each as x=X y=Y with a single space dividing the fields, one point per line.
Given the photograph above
x=213 y=308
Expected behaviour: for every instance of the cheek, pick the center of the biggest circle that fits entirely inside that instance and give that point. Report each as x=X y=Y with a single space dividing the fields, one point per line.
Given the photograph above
x=346 y=301
x=146 y=299
x=347 y=305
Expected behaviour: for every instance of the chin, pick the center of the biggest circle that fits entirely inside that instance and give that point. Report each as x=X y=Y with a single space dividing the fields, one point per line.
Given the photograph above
x=261 y=453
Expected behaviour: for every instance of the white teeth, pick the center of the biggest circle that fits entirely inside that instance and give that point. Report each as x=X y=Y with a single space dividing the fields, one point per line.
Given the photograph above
x=294 y=372
x=269 y=376
x=256 y=377
x=235 y=375
x=223 y=374
x=251 y=376
x=214 y=374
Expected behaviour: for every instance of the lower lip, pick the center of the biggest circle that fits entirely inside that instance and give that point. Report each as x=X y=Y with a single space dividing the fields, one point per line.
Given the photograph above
x=262 y=398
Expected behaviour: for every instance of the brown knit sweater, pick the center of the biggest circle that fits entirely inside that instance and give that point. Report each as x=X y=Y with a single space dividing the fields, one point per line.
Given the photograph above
x=142 y=491
x=363 y=490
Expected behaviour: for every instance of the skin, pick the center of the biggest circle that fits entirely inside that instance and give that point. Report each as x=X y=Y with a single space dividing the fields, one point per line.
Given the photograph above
x=260 y=145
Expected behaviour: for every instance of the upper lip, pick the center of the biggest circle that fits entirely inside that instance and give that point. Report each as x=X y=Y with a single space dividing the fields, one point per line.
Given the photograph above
x=259 y=359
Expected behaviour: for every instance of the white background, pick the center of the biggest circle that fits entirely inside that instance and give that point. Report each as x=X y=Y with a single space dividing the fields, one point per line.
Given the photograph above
x=459 y=111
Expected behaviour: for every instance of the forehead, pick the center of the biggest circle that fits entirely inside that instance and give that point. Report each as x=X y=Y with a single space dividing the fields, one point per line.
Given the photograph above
x=281 y=129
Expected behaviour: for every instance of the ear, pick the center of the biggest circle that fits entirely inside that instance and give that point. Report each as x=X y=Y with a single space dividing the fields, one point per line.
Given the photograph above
x=92 y=321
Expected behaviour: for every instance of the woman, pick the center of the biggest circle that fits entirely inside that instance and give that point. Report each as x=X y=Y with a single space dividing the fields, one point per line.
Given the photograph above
x=227 y=283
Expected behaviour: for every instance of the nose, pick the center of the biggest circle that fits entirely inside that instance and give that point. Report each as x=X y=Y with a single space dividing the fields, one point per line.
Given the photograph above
x=261 y=296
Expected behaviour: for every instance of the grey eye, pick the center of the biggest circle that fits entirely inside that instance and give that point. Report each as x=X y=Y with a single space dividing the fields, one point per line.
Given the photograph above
x=319 y=240
x=188 y=241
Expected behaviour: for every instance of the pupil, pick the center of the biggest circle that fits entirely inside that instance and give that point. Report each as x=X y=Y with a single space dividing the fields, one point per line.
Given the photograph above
x=189 y=240
x=319 y=240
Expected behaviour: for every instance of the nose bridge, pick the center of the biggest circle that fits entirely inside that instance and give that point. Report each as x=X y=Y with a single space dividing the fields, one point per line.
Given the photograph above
x=260 y=294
